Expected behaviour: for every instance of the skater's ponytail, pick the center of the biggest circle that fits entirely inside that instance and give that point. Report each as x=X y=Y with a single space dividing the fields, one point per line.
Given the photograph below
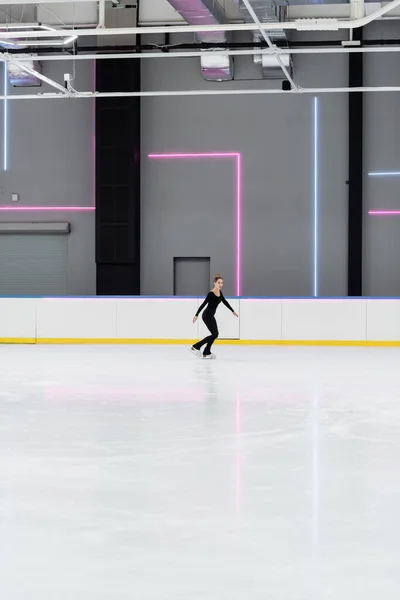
x=217 y=276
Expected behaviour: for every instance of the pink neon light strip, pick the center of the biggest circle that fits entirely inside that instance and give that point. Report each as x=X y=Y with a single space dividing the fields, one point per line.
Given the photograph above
x=199 y=155
x=238 y=221
x=386 y=213
x=238 y=161
x=52 y=208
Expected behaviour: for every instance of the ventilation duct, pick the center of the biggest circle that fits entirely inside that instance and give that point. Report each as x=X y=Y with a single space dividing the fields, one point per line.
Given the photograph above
x=214 y=66
x=19 y=77
x=271 y=69
x=268 y=12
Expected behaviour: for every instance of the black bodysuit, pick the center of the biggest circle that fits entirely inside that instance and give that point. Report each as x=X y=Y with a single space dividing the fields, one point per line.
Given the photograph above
x=212 y=301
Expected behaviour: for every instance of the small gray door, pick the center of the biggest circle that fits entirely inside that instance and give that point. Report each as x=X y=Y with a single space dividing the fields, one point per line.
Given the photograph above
x=191 y=276
x=33 y=264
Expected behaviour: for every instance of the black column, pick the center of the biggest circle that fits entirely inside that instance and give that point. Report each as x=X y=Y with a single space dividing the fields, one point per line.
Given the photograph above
x=355 y=232
x=118 y=179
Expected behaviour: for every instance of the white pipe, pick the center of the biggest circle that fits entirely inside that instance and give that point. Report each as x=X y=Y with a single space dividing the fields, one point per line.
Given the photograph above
x=195 y=54
x=357 y=9
x=162 y=30
x=244 y=92
x=28 y=26
x=299 y=24
x=270 y=44
x=221 y=92
x=176 y=22
x=102 y=14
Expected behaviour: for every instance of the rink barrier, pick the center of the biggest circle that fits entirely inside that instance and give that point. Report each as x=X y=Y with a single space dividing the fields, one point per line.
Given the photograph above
x=155 y=342
x=161 y=320
x=174 y=342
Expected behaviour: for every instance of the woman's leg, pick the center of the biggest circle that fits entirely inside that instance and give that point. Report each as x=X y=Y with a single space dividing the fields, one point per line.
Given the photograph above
x=212 y=326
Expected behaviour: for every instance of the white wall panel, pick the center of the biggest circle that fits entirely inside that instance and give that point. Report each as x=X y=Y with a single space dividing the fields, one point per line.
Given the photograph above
x=383 y=320
x=18 y=318
x=156 y=318
x=324 y=320
x=171 y=318
x=260 y=319
x=76 y=318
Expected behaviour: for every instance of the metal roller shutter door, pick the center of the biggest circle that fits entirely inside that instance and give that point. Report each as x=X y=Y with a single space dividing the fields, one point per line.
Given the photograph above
x=33 y=264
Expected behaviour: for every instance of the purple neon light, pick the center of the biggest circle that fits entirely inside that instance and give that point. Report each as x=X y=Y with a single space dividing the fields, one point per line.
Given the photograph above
x=384 y=213
x=42 y=208
x=94 y=135
x=195 y=155
x=238 y=162
x=238 y=221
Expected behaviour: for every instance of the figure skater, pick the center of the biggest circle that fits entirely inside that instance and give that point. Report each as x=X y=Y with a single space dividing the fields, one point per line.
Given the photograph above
x=212 y=301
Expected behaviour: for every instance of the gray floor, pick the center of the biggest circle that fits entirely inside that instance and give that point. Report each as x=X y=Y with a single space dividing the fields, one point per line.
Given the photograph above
x=145 y=473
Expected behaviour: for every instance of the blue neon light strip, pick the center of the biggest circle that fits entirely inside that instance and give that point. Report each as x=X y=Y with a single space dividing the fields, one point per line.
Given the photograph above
x=5 y=122
x=384 y=174
x=315 y=197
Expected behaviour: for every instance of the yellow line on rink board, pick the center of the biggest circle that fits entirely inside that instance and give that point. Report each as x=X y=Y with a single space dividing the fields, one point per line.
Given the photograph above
x=162 y=341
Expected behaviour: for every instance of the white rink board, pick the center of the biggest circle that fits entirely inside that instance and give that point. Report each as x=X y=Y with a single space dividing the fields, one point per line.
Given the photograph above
x=383 y=320
x=76 y=318
x=260 y=319
x=18 y=318
x=156 y=318
x=141 y=318
x=335 y=320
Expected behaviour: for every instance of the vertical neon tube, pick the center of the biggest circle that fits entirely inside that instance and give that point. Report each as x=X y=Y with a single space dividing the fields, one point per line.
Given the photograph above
x=94 y=136
x=5 y=123
x=238 y=221
x=315 y=197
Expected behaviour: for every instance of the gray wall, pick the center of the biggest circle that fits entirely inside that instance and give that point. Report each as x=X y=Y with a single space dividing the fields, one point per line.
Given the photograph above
x=188 y=207
x=381 y=153
x=51 y=163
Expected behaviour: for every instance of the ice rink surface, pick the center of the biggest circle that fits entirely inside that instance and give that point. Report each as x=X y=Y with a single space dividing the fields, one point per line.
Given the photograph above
x=143 y=473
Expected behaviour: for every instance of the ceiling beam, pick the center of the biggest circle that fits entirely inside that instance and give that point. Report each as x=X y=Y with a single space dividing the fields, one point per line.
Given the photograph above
x=299 y=25
x=215 y=92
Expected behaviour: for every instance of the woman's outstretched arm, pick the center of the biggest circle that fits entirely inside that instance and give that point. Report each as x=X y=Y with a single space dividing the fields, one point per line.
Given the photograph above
x=206 y=301
x=227 y=304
